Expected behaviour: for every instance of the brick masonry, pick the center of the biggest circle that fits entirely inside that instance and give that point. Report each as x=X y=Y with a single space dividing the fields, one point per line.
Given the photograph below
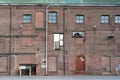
x=31 y=50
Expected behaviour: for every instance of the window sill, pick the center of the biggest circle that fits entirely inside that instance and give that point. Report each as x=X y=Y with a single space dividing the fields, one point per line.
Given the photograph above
x=57 y=49
x=27 y=23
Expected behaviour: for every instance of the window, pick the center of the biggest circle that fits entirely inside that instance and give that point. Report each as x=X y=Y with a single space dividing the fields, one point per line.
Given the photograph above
x=78 y=34
x=104 y=19
x=58 y=41
x=117 y=19
x=80 y=19
x=52 y=16
x=27 y=18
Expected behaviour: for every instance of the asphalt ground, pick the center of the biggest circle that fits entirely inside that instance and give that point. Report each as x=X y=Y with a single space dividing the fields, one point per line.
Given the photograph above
x=82 y=77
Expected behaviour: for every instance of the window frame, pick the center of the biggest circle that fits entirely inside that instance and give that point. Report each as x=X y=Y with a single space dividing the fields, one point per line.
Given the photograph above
x=80 y=19
x=52 y=17
x=27 y=18
x=105 y=19
x=82 y=34
x=58 y=37
x=118 y=19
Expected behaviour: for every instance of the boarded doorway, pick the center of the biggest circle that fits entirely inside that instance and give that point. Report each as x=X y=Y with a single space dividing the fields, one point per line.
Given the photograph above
x=106 y=64
x=80 y=63
x=52 y=63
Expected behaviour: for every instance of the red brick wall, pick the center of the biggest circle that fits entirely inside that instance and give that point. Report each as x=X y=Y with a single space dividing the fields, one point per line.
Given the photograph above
x=94 y=47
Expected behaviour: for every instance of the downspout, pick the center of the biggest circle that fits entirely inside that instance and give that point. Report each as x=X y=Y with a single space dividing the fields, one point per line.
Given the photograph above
x=10 y=40
x=46 y=50
x=64 y=47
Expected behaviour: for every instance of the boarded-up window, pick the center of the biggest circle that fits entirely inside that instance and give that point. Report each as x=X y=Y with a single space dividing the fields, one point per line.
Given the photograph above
x=39 y=20
x=105 y=64
x=26 y=41
x=3 y=64
x=52 y=61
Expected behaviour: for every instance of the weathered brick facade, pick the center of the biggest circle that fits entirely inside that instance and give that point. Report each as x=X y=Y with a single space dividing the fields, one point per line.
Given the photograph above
x=23 y=45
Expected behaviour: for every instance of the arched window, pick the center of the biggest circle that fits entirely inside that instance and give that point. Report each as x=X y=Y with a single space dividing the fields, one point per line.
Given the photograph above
x=27 y=18
x=80 y=19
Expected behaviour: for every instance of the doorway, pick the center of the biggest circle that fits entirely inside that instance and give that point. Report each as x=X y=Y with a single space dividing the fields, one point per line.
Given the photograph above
x=27 y=70
x=80 y=63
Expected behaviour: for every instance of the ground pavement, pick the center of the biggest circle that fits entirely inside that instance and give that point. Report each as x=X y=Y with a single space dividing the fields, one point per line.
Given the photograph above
x=82 y=77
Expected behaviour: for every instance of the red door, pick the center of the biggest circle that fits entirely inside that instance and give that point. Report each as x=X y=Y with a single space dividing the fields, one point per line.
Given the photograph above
x=80 y=63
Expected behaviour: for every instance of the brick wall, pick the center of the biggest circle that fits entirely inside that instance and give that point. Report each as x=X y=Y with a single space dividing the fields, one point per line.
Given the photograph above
x=93 y=46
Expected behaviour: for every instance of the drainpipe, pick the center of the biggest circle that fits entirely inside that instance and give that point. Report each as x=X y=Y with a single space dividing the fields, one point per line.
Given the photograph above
x=64 y=42
x=46 y=50
x=10 y=40
x=64 y=47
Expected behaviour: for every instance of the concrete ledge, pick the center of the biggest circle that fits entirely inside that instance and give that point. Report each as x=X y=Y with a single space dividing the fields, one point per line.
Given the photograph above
x=106 y=73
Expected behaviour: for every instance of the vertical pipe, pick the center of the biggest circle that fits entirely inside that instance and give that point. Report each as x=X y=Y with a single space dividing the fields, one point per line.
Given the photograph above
x=46 y=50
x=64 y=52
x=10 y=40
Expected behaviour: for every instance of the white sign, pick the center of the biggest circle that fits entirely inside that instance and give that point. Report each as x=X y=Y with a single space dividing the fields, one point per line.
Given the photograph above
x=43 y=66
x=22 y=67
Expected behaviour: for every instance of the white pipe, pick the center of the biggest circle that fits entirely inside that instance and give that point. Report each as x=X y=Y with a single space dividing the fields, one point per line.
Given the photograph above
x=46 y=51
